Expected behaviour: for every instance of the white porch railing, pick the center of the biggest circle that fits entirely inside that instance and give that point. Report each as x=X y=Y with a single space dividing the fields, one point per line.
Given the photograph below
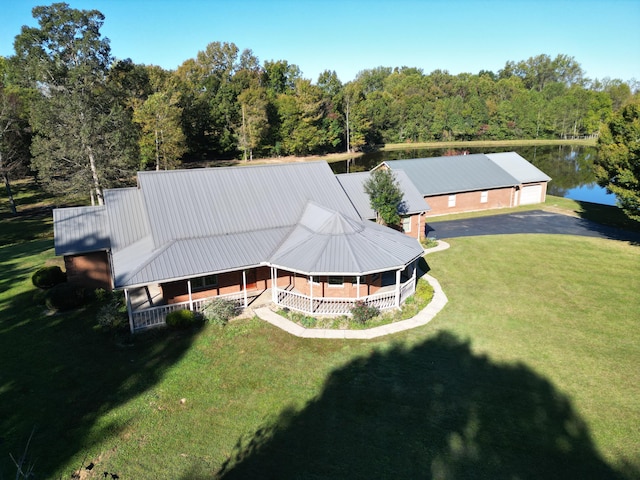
x=342 y=306
x=156 y=316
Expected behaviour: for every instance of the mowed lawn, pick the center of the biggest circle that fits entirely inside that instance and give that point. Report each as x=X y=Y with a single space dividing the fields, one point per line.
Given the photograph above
x=530 y=371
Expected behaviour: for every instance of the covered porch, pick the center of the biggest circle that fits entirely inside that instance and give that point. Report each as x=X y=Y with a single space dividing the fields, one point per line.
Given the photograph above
x=148 y=306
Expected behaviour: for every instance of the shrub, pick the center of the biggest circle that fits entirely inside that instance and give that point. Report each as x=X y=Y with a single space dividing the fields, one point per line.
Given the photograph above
x=219 y=311
x=48 y=277
x=182 y=318
x=362 y=313
x=65 y=296
x=113 y=314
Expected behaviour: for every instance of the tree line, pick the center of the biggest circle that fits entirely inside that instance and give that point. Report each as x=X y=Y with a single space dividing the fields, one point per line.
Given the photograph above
x=83 y=121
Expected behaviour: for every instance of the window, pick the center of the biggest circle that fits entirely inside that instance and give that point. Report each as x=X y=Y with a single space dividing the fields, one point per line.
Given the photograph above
x=335 y=281
x=406 y=224
x=484 y=197
x=452 y=200
x=204 y=283
x=354 y=280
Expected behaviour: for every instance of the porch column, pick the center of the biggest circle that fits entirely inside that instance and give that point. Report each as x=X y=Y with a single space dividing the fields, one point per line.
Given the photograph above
x=244 y=287
x=190 y=296
x=310 y=293
x=129 y=309
x=274 y=285
x=398 y=272
x=358 y=287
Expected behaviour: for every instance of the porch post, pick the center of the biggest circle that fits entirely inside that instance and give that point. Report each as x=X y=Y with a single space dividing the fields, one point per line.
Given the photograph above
x=244 y=287
x=310 y=293
x=398 y=272
x=190 y=296
x=358 y=287
x=419 y=215
x=274 y=284
x=129 y=309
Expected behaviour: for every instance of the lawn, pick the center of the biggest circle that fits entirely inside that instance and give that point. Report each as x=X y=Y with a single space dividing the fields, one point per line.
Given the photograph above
x=530 y=371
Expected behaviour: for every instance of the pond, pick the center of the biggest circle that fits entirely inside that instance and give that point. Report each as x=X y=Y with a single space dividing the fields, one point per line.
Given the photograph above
x=570 y=167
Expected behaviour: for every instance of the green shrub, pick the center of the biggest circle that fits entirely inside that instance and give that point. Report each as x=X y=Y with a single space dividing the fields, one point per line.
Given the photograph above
x=362 y=313
x=65 y=296
x=183 y=318
x=113 y=313
x=219 y=311
x=48 y=277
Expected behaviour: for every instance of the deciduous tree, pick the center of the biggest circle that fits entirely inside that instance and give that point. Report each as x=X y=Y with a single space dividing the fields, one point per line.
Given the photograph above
x=385 y=196
x=618 y=164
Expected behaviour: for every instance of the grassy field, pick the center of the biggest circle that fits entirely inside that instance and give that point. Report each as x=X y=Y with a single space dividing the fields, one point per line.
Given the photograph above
x=530 y=371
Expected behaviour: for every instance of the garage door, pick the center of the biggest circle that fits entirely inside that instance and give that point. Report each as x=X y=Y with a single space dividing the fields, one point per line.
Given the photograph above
x=531 y=194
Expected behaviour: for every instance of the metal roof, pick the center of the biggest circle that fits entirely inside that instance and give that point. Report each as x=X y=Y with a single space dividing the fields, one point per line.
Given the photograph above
x=80 y=230
x=214 y=201
x=518 y=167
x=353 y=185
x=187 y=223
x=325 y=242
x=460 y=173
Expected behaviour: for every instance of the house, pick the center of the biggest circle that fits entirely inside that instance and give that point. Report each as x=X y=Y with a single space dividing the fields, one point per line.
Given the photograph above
x=465 y=183
x=414 y=206
x=183 y=237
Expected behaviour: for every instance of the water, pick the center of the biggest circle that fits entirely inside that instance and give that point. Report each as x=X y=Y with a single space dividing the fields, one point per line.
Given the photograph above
x=570 y=167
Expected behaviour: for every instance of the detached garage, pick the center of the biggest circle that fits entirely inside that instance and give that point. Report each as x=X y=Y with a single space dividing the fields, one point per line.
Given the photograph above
x=532 y=186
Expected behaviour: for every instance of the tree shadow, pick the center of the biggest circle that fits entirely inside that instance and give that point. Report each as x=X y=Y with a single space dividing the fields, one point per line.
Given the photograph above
x=60 y=376
x=437 y=410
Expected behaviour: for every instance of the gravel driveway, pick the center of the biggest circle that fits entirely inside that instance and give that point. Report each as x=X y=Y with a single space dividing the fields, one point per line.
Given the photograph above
x=535 y=221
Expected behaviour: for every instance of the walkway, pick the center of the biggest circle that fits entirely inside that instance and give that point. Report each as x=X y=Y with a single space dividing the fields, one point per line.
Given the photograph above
x=423 y=317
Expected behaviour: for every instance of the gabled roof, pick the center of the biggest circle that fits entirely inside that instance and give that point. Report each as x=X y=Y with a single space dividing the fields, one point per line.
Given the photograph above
x=460 y=173
x=214 y=201
x=518 y=167
x=353 y=185
x=80 y=229
x=184 y=223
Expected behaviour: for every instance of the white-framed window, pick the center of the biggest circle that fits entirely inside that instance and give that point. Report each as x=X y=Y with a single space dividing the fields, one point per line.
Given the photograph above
x=315 y=281
x=204 y=283
x=335 y=281
x=452 y=201
x=406 y=224
x=484 y=197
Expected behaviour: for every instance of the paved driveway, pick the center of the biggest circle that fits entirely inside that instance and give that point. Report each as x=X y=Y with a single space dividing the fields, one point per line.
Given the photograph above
x=535 y=221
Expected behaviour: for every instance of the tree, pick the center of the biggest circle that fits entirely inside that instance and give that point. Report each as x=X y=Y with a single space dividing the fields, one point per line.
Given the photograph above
x=618 y=164
x=162 y=141
x=83 y=138
x=14 y=134
x=385 y=196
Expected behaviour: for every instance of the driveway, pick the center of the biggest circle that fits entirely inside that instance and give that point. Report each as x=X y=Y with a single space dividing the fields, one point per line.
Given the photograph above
x=535 y=221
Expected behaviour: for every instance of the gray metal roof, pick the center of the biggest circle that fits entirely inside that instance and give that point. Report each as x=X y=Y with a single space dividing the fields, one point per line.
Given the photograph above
x=518 y=167
x=353 y=185
x=214 y=201
x=80 y=230
x=460 y=173
x=181 y=224
x=325 y=242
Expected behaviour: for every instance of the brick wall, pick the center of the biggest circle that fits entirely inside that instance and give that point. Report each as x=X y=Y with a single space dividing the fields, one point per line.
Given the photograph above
x=89 y=269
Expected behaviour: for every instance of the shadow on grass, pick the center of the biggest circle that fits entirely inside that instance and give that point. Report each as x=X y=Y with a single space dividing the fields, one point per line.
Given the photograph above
x=436 y=410
x=60 y=377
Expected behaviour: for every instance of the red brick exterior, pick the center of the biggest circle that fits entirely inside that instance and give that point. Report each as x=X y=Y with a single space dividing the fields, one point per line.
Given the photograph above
x=471 y=201
x=369 y=285
x=89 y=269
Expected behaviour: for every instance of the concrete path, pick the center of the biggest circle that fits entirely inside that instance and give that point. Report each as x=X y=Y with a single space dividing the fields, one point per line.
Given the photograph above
x=423 y=317
x=535 y=221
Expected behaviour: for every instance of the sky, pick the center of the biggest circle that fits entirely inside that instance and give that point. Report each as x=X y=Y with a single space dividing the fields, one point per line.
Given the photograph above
x=349 y=36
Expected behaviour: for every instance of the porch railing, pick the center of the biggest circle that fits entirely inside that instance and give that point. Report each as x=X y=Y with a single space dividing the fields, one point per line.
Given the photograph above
x=156 y=316
x=342 y=306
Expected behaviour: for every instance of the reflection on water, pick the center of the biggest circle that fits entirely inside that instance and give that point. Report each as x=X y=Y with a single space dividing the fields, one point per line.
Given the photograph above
x=570 y=167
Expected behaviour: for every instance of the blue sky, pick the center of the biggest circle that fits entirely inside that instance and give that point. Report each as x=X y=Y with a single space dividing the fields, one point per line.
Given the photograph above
x=351 y=35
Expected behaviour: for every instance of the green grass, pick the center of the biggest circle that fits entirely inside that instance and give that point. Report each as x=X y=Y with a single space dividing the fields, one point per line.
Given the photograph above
x=530 y=371
x=514 y=378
